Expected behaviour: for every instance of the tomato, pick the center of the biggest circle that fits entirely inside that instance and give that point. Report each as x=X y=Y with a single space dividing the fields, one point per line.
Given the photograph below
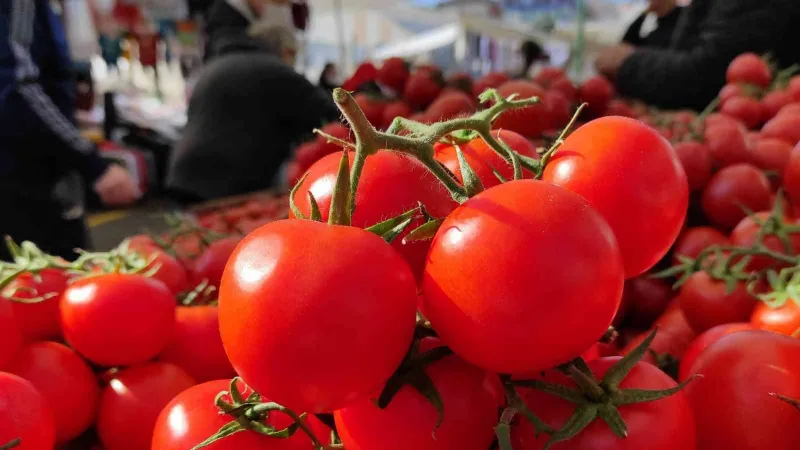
x=597 y=92
x=478 y=284
x=393 y=73
x=447 y=155
x=619 y=108
x=664 y=424
x=192 y=417
x=449 y=105
x=390 y=185
x=117 y=319
x=26 y=415
x=308 y=153
x=196 y=346
x=297 y=299
x=461 y=81
x=674 y=335
x=395 y=109
x=169 y=271
x=773 y=102
x=734 y=187
x=530 y=121
x=730 y=91
x=633 y=178
x=515 y=141
x=409 y=422
x=794 y=88
x=706 y=303
x=547 y=75
x=792 y=109
x=38 y=321
x=565 y=86
x=749 y=68
x=704 y=340
x=372 y=108
x=783 y=320
x=558 y=109
x=784 y=126
x=745 y=234
x=727 y=144
x=130 y=405
x=791 y=176
x=694 y=240
x=65 y=381
x=696 y=160
x=337 y=130
x=210 y=264
x=732 y=405
x=490 y=80
x=422 y=88
x=746 y=109
x=645 y=299
x=714 y=119
x=10 y=334
x=771 y=154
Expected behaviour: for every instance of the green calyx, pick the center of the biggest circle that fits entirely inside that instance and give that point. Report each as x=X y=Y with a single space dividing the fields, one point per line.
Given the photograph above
x=599 y=399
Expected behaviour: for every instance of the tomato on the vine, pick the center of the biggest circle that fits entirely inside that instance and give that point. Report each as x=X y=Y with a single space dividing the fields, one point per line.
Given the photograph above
x=448 y=156
x=40 y=320
x=530 y=121
x=494 y=304
x=745 y=235
x=10 y=335
x=64 y=379
x=726 y=142
x=211 y=263
x=166 y=269
x=694 y=240
x=707 y=303
x=783 y=319
x=130 y=405
x=696 y=160
x=734 y=187
x=674 y=336
x=702 y=341
x=633 y=178
x=118 y=319
x=195 y=345
x=299 y=318
x=515 y=141
x=791 y=176
x=749 y=68
x=26 y=415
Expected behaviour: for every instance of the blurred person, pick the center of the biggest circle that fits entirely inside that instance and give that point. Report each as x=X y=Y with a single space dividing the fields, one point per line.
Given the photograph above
x=228 y=23
x=532 y=54
x=246 y=114
x=709 y=35
x=667 y=14
x=329 y=78
x=44 y=160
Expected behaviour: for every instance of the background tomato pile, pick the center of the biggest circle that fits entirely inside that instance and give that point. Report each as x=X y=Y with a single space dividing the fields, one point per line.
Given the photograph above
x=446 y=304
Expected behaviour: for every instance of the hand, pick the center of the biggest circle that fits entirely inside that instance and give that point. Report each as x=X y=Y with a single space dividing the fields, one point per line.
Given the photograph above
x=610 y=59
x=116 y=187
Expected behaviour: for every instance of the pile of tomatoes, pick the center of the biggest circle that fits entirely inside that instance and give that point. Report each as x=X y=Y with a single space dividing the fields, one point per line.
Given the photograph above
x=243 y=216
x=449 y=296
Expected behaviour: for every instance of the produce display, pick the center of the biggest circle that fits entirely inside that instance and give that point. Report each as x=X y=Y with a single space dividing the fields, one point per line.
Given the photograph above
x=466 y=265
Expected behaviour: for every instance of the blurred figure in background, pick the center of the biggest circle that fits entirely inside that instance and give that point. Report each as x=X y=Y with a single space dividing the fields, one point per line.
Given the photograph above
x=666 y=13
x=329 y=78
x=229 y=22
x=44 y=160
x=246 y=114
x=532 y=53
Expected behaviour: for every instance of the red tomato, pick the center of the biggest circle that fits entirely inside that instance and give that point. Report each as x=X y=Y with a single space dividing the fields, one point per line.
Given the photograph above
x=394 y=74
x=422 y=88
x=529 y=121
x=730 y=189
x=38 y=321
x=25 y=415
x=337 y=130
x=446 y=154
x=548 y=75
x=792 y=109
x=558 y=109
x=745 y=234
x=490 y=80
x=696 y=160
x=773 y=102
x=730 y=91
x=130 y=405
x=65 y=381
x=619 y=108
x=664 y=424
x=196 y=346
x=694 y=240
x=794 y=88
x=297 y=298
x=704 y=340
x=749 y=68
x=771 y=154
x=515 y=141
x=395 y=109
x=461 y=81
x=674 y=335
x=307 y=154
x=784 y=126
x=450 y=105
x=727 y=144
x=390 y=185
x=116 y=320
x=706 y=303
x=597 y=92
x=409 y=422
x=633 y=177
x=372 y=108
x=210 y=264
x=10 y=335
x=475 y=262
x=169 y=271
x=191 y=417
x=746 y=109
x=783 y=320
x=644 y=300
x=732 y=405
x=791 y=176
x=565 y=86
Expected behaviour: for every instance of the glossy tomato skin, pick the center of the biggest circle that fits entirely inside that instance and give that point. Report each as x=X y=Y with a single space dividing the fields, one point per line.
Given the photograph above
x=732 y=404
x=298 y=315
x=673 y=337
x=749 y=68
x=118 y=319
x=746 y=109
x=773 y=155
x=529 y=121
x=10 y=335
x=633 y=178
x=196 y=346
x=65 y=380
x=409 y=422
x=170 y=272
x=784 y=126
x=478 y=285
x=774 y=101
x=390 y=185
x=706 y=302
x=25 y=415
x=726 y=142
x=696 y=239
x=597 y=92
x=791 y=176
x=783 y=320
x=705 y=339
x=745 y=235
x=38 y=321
x=130 y=405
x=191 y=417
x=665 y=424
x=515 y=141
x=730 y=189
x=211 y=263
x=447 y=155
x=696 y=160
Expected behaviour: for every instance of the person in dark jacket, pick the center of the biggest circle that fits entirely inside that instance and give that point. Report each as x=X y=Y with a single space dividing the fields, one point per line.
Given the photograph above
x=667 y=14
x=710 y=34
x=44 y=160
x=229 y=21
x=246 y=113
